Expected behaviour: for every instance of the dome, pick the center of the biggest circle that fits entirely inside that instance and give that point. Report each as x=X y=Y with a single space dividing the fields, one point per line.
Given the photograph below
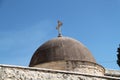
x=61 y=48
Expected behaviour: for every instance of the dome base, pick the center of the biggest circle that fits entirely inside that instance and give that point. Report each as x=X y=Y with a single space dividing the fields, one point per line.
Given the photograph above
x=76 y=66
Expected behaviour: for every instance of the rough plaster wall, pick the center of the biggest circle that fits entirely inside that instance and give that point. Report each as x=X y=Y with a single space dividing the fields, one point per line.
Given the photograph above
x=22 y=73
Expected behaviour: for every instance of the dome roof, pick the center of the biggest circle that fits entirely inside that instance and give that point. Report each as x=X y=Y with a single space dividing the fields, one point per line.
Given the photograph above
x=61 y=48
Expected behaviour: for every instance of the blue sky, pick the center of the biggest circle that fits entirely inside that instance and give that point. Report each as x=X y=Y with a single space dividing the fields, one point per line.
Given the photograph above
x=26 y=24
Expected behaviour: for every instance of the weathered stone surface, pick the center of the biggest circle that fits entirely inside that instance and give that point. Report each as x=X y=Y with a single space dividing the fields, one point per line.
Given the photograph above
x=114 y=73
x=61 y=48
x=26 y=73
x=75 y=66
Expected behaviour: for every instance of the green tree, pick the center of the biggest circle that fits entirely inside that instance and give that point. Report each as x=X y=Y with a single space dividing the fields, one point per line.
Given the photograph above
x=118 y=56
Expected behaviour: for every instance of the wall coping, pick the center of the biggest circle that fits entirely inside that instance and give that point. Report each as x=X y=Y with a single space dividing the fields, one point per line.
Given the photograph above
x=59 y=71
x=110 y=72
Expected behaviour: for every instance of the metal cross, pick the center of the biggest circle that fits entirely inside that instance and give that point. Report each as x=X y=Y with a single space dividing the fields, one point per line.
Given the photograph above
x=59 y=29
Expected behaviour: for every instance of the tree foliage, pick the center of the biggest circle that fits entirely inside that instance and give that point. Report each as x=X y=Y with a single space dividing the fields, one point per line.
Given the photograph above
x=118 y=56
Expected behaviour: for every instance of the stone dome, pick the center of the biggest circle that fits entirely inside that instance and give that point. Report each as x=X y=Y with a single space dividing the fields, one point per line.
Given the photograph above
x=61 y=48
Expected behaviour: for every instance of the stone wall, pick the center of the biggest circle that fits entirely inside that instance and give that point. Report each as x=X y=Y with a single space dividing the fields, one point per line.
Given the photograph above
x=27 y=73
x=114 y=73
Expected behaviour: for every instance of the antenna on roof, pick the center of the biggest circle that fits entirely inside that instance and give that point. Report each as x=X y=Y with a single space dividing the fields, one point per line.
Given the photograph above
x=59 y=28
